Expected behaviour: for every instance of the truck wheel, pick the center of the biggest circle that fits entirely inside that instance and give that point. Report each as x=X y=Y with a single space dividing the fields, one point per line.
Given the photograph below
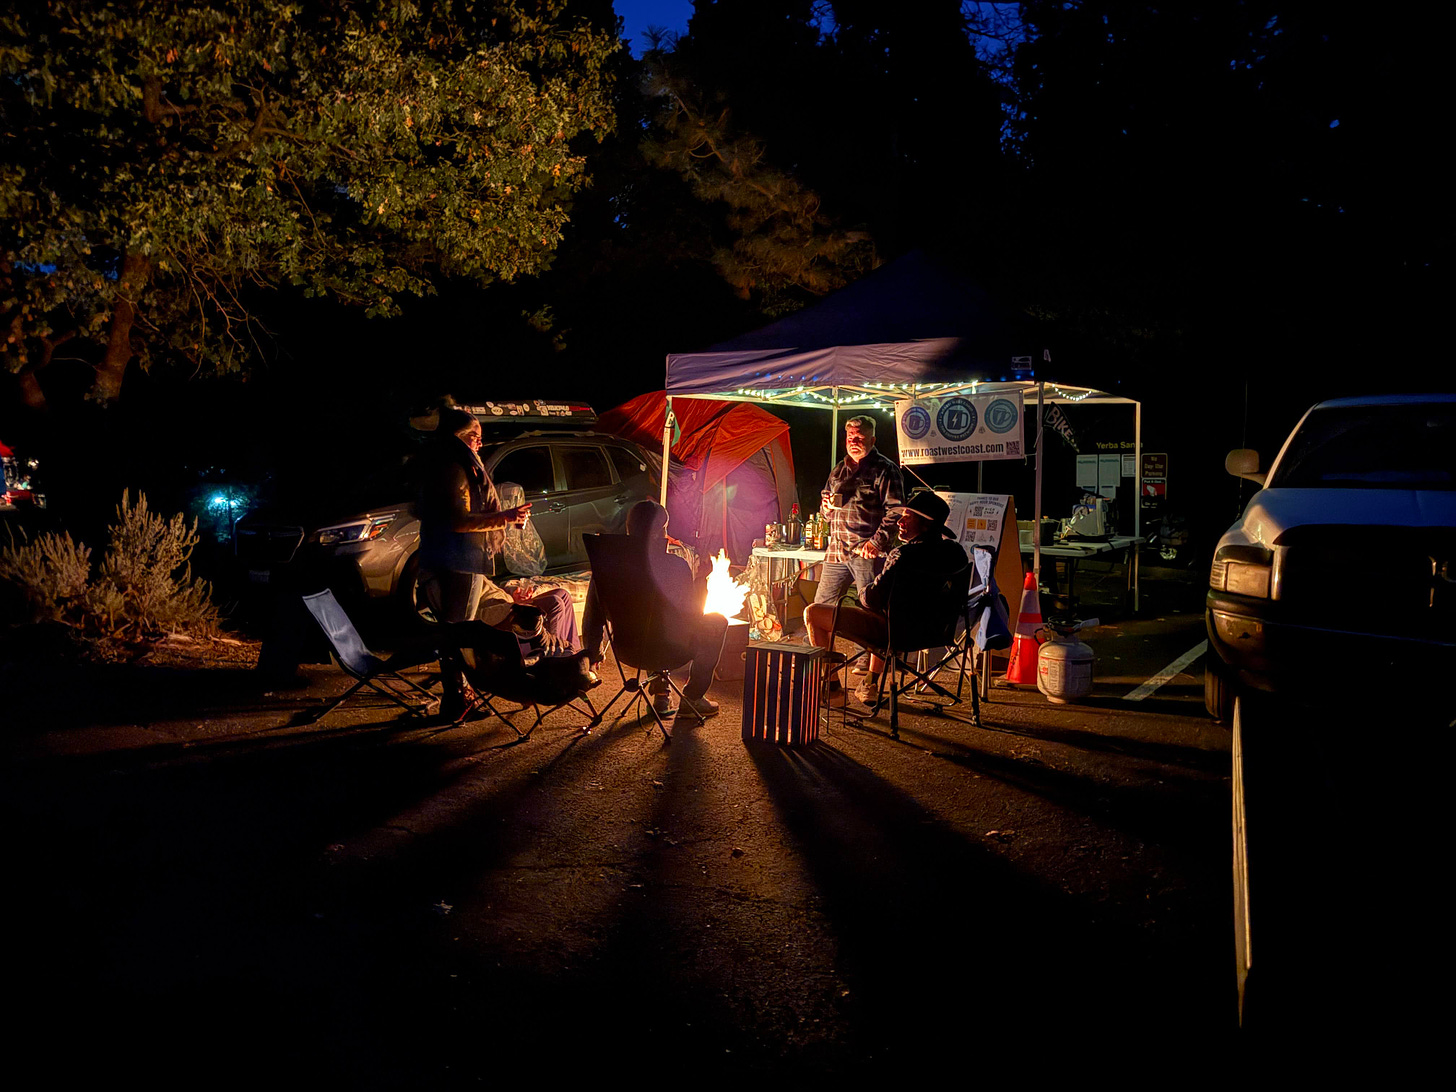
x=409 y=605
x=1218 y=688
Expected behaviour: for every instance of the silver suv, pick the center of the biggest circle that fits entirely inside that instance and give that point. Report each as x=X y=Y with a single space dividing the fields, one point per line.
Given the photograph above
x=578 y=481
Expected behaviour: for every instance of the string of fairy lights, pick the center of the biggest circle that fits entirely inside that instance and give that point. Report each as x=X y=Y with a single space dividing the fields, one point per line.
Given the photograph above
x=863 y=400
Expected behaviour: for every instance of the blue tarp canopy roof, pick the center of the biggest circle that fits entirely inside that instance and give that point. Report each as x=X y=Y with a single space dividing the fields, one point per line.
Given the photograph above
x=915 y=320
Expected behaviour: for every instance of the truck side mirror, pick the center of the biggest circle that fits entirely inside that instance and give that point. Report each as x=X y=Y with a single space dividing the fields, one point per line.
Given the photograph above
x=1243 y=462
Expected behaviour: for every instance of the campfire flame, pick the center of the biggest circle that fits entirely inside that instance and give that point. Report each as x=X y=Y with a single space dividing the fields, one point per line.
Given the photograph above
x=725 y=595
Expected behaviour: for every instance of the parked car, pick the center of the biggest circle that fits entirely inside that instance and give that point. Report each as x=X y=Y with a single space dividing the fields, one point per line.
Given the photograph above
x=578 y=482
x=1331 y=616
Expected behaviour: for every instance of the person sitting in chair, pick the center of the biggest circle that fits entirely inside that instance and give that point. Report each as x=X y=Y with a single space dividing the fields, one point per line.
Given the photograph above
x=928 y=553
x=670 y=575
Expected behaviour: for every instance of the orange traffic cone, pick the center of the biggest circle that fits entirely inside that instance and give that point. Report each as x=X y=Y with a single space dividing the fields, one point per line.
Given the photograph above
x=1022 y=668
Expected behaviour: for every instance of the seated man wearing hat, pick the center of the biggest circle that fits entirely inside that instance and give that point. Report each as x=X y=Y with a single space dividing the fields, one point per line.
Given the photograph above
x=927 y=554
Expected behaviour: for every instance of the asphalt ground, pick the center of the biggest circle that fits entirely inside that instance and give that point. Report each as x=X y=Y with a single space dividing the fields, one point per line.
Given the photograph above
x=207 y=889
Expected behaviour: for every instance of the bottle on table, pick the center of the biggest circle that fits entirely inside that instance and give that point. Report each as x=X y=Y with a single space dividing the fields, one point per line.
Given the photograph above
x=794 y=528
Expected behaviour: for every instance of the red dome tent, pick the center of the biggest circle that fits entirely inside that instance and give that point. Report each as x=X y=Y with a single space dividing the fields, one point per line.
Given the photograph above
x=738 y=470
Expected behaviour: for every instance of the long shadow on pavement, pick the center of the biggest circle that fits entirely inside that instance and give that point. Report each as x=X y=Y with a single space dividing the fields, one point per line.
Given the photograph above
x=950 y=944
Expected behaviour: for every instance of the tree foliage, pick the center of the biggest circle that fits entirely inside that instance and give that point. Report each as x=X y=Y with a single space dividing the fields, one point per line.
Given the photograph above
x=780 y=248
x=164 y=162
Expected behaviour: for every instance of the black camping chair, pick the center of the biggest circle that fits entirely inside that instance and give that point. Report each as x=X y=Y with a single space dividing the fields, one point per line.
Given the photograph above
x=922 y=615
x=963 y=653
x=497 y=668
x=355 y=660
x=636 y=621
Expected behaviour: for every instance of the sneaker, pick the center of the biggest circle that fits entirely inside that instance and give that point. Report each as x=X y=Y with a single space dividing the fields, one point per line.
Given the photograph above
x=702 y=708
x=868 y=692
x=662 y=705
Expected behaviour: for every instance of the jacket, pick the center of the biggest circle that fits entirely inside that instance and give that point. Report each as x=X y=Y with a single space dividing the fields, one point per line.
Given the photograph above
x=458 y=508
x=918 y=567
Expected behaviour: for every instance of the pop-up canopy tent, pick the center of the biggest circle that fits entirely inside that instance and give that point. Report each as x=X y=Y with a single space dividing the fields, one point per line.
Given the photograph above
x=913 y=327
x=741 y=467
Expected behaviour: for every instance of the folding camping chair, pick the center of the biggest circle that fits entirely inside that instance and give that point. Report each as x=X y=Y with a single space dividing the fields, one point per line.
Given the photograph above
x=936 y=618
x=985 y=629
x=501 y=670
x=635 y=617
x=355 y=660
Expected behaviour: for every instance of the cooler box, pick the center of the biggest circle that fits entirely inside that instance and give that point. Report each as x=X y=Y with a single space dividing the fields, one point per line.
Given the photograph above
x=782 y=686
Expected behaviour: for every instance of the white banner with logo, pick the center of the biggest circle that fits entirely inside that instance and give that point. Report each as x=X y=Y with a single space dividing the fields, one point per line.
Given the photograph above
x=960 y=427
x=976 y=518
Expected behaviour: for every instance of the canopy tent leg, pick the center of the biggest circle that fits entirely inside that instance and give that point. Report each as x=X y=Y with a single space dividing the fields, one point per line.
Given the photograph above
x=666 y=448
x=834 y=429
x=1137 y=502
x=1036 y=515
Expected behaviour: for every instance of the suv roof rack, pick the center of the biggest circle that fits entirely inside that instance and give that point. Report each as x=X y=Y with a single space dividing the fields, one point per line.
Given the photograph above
x=534 y=412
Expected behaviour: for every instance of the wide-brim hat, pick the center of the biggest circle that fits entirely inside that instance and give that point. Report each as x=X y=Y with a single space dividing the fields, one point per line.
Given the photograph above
x=927 y=504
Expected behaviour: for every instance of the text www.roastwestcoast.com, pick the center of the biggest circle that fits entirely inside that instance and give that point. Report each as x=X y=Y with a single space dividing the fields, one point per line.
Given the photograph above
x=961 y=449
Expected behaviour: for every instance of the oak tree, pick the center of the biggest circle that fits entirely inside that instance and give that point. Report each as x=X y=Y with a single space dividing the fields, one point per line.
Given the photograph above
x=163 y=163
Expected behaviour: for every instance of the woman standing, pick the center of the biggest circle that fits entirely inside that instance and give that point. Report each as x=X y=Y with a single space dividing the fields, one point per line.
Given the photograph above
x=462 y=528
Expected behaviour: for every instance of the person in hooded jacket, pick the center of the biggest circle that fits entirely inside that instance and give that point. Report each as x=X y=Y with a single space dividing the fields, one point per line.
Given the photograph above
x=682 y=601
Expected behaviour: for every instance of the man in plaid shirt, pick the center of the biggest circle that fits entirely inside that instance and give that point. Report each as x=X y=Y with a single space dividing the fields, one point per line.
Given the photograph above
x=861 y=526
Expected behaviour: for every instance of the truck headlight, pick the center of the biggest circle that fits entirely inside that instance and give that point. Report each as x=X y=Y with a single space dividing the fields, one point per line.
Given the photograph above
x=359 y=530
x=1242 y=570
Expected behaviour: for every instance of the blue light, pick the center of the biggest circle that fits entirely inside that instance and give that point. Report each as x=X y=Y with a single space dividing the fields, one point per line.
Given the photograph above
x=218 y=500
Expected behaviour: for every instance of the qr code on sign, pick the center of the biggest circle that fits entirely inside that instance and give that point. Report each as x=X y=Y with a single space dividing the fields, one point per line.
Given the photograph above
x=1013 y=447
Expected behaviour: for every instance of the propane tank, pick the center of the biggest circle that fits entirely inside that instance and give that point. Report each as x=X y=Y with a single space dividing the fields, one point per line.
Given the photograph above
x=1064 y=665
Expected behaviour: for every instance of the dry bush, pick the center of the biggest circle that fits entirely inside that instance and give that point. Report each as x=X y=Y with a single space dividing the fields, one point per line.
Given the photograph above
x=52 y=575
x=146 y=573
x=144 y=589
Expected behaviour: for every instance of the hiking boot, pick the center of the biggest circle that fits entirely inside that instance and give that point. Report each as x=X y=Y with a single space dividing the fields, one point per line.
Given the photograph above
x=702 y=708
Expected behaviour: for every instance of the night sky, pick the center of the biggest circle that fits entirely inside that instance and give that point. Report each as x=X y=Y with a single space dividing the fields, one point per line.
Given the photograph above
x=638 y=15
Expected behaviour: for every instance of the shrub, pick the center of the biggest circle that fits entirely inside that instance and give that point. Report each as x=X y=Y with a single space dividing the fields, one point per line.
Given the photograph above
x=144 y=588
x=52 y=574
x=146 y=571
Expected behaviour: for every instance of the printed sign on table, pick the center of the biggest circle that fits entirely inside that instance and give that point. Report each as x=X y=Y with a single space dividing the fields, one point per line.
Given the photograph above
x=959 y=428
x=976 y=518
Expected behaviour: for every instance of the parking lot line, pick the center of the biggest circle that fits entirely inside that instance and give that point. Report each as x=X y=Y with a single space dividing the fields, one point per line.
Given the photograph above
x=1173 y=669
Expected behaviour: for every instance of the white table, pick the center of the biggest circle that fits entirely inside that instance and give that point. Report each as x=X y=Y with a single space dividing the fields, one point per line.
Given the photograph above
x=791 y=553
x=1129 y=546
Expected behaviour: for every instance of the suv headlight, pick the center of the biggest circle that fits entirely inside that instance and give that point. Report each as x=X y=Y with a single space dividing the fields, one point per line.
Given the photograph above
x=1242 y=570
x=359 y=530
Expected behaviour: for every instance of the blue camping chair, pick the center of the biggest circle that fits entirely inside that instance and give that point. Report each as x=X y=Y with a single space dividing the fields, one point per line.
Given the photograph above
x=355 y=660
